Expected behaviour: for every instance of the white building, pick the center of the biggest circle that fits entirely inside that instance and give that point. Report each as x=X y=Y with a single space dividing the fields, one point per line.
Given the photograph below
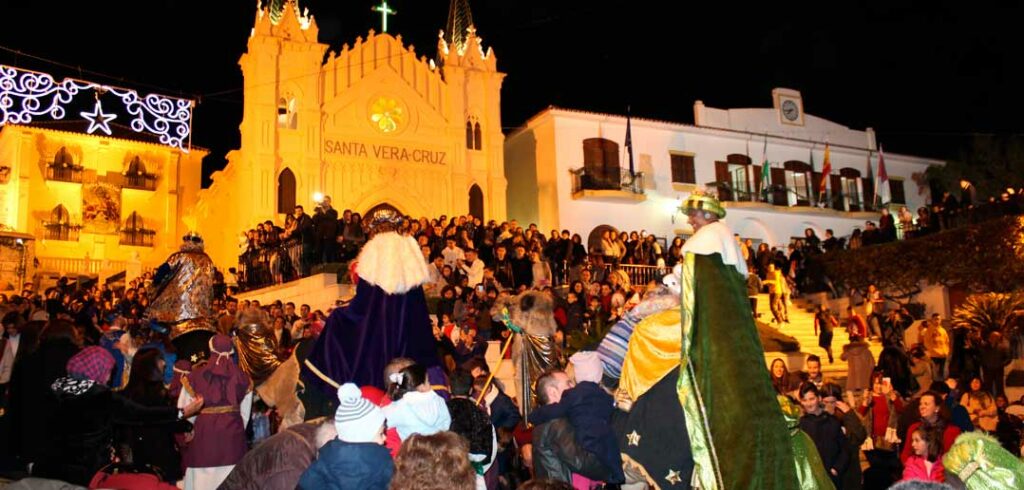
x=568 y=169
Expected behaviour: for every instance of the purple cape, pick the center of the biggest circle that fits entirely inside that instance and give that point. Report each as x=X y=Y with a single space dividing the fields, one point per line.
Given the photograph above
x=361 y=338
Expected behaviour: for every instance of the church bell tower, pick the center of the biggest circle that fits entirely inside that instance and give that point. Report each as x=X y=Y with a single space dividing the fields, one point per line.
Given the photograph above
x=281 y=116
x=474 y=84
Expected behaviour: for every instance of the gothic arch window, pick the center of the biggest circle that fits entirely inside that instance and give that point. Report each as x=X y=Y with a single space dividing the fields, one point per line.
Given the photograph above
x=286 y=116
x=469 y=135
x=136 y=167
x=476 y=202
x=477 y=137
x=63 y=157
x=134 y=222
x=135 y=233
x=60 y=215
x=286 y=192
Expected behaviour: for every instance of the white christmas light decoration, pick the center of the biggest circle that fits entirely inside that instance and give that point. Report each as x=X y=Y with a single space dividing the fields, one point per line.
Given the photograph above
x=25 y=94
x=97 y=119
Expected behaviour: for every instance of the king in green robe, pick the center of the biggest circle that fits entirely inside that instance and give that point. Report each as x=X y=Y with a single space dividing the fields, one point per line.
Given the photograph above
x=738 y=434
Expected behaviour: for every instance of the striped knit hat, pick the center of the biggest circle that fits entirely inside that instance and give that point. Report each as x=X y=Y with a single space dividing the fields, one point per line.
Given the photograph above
x=357 y=420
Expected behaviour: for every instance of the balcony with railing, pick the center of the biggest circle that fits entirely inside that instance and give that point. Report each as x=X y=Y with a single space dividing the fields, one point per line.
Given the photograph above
x=64 y=172
x=137 y=237
x=779 y=196
x=140 y=181
x=61 y=231
x=613 y=184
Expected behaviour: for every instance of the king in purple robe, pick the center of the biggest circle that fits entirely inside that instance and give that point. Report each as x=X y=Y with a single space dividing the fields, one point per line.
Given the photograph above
x=386 y=319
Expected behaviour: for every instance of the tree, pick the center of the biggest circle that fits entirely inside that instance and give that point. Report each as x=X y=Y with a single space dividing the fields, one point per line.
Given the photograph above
x=991 y=165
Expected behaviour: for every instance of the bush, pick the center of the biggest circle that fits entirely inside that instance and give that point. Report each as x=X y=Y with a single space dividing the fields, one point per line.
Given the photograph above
x=985 y=257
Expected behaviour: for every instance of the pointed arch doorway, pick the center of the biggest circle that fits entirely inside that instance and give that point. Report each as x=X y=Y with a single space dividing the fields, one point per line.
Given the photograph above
x=476 y=202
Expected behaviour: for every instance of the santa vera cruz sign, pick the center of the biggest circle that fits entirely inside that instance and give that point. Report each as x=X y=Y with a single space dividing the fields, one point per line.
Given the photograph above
x=341 y=148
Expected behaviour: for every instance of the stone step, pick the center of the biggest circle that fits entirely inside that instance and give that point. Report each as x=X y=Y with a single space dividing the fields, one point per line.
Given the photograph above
x=801 y=327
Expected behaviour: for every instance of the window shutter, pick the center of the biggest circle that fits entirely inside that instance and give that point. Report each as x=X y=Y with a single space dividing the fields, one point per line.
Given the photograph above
x=897 y=192
x=779 y=187
x=722 y=177
x=869 y=194
x=836 y=182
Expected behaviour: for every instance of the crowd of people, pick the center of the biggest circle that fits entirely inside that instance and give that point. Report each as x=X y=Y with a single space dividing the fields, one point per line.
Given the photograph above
x=271 y=254
x=903 y=410
x=94 y=393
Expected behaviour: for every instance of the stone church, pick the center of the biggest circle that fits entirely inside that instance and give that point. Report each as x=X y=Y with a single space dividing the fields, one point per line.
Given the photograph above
x=373 y=125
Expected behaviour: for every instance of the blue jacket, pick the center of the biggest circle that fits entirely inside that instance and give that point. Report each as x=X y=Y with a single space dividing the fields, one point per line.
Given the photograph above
x=504 y=413
x=345 y=465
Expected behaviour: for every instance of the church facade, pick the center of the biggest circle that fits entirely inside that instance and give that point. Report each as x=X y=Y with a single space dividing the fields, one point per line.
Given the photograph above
x=373 y=126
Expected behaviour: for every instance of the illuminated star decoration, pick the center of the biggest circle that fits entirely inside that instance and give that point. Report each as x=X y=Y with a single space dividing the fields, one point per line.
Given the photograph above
x=673 y=477
x=194 y=358
x=98 y=120
x=633 y=438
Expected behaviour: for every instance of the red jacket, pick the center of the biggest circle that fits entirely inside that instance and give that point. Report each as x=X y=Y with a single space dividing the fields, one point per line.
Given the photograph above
x=914 y=469
x=880 y=413
x=949 y=435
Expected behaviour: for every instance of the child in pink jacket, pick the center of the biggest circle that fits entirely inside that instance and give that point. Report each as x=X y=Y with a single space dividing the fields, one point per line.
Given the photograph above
x=925 y=463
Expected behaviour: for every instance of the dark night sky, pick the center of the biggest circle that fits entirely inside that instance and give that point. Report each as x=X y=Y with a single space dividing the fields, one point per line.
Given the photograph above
x=924 y=74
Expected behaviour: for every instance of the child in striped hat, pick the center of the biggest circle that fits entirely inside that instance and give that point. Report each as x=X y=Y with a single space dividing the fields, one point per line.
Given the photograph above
x=357 y=458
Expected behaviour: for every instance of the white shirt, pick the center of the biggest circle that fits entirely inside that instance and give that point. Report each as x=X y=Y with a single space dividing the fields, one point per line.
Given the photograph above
x=474 y=271
x=7 y=362
x=452 y=256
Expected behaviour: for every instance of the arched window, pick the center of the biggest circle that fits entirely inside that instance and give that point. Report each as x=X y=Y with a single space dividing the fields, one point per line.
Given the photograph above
x=134 y=222
x=733 y=177
x=135 y=233
x=469 y=135
x=798 y=182
x=60 y=215
x=286 y=116
x=601 y=164
x=286 y=192
x=477 y=137
x=63 y=157
x=136 y=167
x=135 y=177
x=476 y=202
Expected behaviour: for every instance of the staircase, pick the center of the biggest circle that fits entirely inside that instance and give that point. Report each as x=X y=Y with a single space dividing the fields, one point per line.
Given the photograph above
x=801 y=326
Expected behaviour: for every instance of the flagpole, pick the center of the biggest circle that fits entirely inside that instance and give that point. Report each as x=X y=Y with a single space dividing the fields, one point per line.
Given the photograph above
x=629 y=144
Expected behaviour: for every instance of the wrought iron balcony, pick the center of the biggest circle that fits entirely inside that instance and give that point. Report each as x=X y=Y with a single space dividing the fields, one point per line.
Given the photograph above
x=615 y=179
x=64 y=172
x=137 y=237
x=142 y=181
x=61 y=231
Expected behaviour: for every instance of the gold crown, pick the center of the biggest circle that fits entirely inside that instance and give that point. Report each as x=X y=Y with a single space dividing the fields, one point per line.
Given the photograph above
x=703 y=201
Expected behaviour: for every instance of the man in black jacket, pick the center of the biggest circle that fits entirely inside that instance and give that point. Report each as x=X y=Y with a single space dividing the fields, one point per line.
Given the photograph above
x=306 y=234
x=827 y=433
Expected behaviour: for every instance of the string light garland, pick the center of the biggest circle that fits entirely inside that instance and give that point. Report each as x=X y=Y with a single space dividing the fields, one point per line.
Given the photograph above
x=26 y=94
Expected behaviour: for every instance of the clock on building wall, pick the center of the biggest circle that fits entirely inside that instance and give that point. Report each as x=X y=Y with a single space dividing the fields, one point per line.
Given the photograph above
x=791 y=110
